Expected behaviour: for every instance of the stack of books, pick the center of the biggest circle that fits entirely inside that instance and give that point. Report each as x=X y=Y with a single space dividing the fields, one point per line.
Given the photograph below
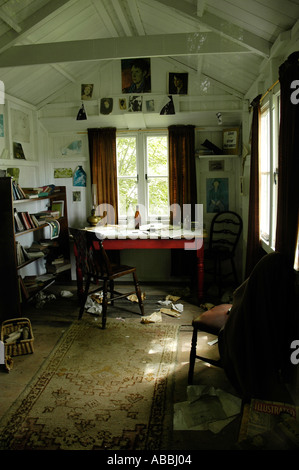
x=26 y=221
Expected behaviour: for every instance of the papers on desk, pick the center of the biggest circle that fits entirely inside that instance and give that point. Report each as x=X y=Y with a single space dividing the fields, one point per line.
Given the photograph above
x=151 y=231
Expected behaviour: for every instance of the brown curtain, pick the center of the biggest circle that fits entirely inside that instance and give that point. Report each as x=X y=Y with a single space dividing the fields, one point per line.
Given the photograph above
x=288 y=158
x=182 y=188
x=253 y=253
x=102 y=155
x=182 y=172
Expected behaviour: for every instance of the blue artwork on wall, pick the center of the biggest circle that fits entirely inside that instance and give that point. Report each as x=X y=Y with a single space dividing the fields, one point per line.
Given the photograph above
x=217 y=194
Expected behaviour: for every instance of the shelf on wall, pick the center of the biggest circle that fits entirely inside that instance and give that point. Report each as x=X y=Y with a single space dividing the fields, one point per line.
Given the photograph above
x=216 y=156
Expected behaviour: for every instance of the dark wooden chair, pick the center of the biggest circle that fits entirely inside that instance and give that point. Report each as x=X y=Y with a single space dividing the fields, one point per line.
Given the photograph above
x=209 y=322
x=225 y=232
x=94 y=266
x=254 y=333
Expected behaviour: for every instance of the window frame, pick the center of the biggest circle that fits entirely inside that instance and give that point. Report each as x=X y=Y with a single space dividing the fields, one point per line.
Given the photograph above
x=273 y=107
x=142 y=177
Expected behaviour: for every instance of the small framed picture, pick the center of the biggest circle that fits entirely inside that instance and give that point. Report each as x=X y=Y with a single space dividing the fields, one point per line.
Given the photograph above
x=178 y=83
x=216 y=165
x=58 y=206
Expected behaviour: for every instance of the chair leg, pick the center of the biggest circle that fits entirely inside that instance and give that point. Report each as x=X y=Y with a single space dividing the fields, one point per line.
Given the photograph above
x=104 y=305
x=192 y=356
x=84 y=297
x=138 y=292
x=111 y=292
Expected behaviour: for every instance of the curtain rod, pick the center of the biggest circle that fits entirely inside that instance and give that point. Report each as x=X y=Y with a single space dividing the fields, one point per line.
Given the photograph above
x=269 y=89
x=146 y=130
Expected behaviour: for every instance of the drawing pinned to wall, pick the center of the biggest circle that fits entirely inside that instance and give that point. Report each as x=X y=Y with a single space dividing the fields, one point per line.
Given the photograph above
x=217 y=194
x=73 y=148
x=1 y=125
x=86 y=91
x=136 y=75
x=18 y=151
x=168 y=108
x=150 y=106
x=216 y=165
x=79 y=178
x=76 y=196
x=63 y=173
x=20 y=126
x=106 y=105
x=135 y=103
x=122 y=104
x=14 y=173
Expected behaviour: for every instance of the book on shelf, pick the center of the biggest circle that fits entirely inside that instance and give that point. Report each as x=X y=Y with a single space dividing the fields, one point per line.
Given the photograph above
x=19 y=227
x=26 y=220
x=58 y=268
x=41 y=191
x=48 y=214
x=18 y=192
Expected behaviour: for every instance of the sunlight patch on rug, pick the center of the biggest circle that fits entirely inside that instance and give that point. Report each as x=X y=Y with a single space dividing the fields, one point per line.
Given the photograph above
x=99 y=390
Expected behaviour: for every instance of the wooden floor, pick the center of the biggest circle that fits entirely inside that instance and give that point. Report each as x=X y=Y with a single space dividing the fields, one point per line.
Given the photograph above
x=50 y=320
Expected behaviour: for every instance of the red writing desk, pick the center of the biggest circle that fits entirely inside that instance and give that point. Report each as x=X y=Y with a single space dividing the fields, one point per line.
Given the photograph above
x=117 y=238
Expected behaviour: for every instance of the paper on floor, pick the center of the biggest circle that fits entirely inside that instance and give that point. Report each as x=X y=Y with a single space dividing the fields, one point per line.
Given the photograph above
x=207 y=408
x=153 y=318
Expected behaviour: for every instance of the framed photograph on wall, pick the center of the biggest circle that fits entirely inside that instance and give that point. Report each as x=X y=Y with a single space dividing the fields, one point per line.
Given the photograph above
x=178 y=83
x=136 y=75
x=217 y=194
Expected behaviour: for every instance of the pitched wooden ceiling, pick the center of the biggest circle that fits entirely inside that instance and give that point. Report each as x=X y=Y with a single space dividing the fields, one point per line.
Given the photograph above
x=48 y=46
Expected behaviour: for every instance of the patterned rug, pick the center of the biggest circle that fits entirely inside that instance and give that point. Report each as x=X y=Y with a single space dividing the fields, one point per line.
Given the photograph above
x=99 y=390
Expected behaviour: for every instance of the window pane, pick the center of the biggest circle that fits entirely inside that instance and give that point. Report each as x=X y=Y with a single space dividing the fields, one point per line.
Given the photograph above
x=265 y=176
x=157 y=162
x=127 y=194
x=157 y=173
x=126 y=156
x=158 y=196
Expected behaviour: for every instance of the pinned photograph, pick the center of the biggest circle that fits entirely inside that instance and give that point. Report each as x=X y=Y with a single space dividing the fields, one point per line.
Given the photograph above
x=135 y=103
x=86 y=91
x=106 y=105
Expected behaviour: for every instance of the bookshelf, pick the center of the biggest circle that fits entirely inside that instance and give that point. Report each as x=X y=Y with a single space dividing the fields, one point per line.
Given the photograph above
x=30 y=260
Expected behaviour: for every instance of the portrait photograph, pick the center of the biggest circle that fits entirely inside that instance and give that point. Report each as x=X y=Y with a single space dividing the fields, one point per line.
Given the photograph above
x=86 y=91
x=136 y=75
x=178 y=83
x=106 y=105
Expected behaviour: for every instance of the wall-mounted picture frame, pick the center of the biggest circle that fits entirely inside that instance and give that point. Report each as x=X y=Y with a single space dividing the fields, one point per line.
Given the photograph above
x=18 y=152
x=136 y=75
x=217 y=194
x=216 y=165
x=178 y=83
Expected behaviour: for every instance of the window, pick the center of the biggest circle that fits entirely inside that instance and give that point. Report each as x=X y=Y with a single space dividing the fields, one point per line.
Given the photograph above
x=142 y=174
x=268 y=171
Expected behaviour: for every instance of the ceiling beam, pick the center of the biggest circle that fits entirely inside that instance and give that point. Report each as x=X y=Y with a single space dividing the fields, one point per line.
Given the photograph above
x=27 y=26
x=117 y=48
x=224 y=28
x=9 y=21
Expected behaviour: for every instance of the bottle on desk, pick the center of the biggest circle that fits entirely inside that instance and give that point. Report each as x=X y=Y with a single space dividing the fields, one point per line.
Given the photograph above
x=137 y=218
